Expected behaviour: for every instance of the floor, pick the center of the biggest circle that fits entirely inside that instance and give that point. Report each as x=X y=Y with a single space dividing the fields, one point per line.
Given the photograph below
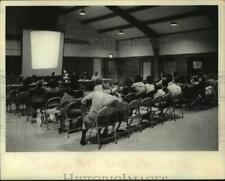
x=198 y=130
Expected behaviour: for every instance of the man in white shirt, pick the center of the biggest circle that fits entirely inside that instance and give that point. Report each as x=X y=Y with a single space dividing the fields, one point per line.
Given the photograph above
x=138 y=86
x=174 y=88
x=99 y=100
x=150 y=87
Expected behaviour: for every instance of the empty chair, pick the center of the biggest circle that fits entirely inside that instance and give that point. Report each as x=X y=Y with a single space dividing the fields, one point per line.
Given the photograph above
x=177 y=101
x=52 y=107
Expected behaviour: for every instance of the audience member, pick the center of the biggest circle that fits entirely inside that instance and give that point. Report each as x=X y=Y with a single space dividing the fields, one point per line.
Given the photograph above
x=138 y=85
x=150 y=87
x=164 y=90
x=95 y=76
x=74 y=84
x=99 y=100
x=174 y=88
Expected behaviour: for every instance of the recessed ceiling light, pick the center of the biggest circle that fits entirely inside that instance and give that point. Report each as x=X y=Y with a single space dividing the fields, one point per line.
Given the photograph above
x=110 y=55
x=173 y=23
x=83 y=13
x=120 y=32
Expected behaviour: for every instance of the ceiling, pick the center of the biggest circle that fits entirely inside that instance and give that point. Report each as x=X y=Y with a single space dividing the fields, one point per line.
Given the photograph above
x=134 y=21
x=150 y=21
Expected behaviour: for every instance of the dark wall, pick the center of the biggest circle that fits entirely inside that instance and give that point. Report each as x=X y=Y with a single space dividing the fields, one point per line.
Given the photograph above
x=78 y=65
x=13 y=65
x=182 y=64
x=128 y=68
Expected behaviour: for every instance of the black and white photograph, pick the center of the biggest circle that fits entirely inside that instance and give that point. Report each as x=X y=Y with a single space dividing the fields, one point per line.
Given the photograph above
x=111 y=78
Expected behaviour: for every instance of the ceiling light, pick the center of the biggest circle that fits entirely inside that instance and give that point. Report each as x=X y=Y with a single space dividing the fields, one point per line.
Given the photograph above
x=110 y=56
x=120 y=32
x=173 y=23
x=83 y=13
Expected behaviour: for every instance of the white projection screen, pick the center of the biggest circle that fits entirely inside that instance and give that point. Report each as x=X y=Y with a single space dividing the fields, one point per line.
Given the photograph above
x=42 y=52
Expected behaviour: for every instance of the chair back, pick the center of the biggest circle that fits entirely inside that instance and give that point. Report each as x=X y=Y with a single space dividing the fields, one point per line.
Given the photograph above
x=140 y=95
x=54 y=93
x=177 y=97
x=129 y=97
x=74 y=109
x=22 y=97
x=106 y=116
x=52 y=103
x=157 y=99
x=146 y=102
x=134 y=104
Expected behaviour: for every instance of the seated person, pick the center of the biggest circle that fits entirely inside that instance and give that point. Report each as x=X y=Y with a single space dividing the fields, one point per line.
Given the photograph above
x=98 y=85
x=126 y=86
x=52 y=85
x=95 y=76
x=74 y=84
x=174 y=88
x=150 y=87
x=138 y=85
x=162 y=77
x=99 y=100
x=38 y=97
x=163 y=91
x=25 y=86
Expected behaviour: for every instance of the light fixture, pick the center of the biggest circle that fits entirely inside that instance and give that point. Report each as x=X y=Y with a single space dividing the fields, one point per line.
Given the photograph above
x=120 y=32
x=173 y=23
x=83 y=13
x=110 y=55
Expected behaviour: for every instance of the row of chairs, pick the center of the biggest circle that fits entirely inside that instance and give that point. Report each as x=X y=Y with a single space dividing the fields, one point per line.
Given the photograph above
x=134 y=113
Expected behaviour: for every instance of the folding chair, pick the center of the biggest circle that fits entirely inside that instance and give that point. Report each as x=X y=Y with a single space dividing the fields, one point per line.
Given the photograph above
x=122 y=113
x=134 y=111
x=129 y=97
x=52 y=107
x=21 y=102
x=145 y=108
x=175 y=101
x=73 y=113
x=105 y=118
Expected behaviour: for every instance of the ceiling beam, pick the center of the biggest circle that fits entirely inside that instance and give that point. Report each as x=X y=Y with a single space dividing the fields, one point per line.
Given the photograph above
x=111 y=15
x=73 y=8
x=154 y=21
x=172 y=33
x=133 y=21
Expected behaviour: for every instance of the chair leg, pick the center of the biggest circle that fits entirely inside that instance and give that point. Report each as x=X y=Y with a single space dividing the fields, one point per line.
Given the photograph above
x=128 y=128
x=114 y=133
x=98 y=139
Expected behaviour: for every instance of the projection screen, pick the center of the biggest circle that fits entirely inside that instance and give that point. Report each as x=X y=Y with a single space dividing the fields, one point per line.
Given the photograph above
x=42 y=52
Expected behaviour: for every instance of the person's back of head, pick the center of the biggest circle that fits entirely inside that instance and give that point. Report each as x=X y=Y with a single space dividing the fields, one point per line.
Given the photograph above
x=165 y=83
x=138 y=78
x=176 y=80
x=169 y=77
x=98 y=81
x=149 y=79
